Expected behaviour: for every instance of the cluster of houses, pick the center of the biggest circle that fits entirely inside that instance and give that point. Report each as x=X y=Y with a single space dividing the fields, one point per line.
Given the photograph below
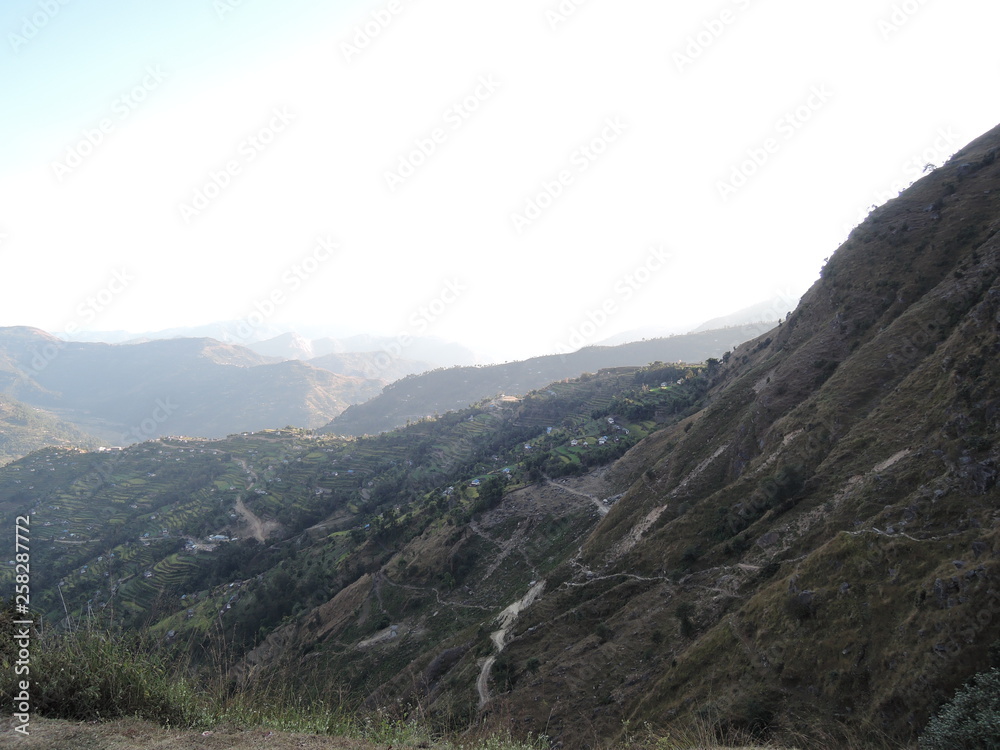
x=603 y=439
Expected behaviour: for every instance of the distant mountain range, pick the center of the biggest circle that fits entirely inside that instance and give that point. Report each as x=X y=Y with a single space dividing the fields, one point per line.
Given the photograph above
x=123 y=389
x=424 y=352
x=125 y=393
x=311 y=343
x=91 y=392
x=419 y=354
x=436 y=392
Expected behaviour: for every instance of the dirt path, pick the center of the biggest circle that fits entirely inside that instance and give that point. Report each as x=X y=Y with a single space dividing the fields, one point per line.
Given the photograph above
x=381 y=579
x=383 y=636
x=260 y=529
x=601 y=507
x=257 y=527
x=697 y=470
x=507 y=618
x=483 y=681
x=514 y=543
x=637 y=532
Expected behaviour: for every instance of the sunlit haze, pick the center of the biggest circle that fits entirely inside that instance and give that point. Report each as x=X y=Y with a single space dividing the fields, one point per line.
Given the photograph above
x=521 y=177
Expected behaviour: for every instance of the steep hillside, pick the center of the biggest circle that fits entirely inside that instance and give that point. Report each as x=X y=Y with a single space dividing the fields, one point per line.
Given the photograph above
x=812 y=553
x=128 y=392
x=820 y=543
x=439 y=391
x=24 y=429
x=798 y=540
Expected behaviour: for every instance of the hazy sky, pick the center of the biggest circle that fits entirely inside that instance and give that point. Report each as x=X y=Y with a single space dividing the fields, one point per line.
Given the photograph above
x=521 y=176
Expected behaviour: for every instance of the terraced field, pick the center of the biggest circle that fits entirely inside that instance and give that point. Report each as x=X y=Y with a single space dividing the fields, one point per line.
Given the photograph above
x=153 y=535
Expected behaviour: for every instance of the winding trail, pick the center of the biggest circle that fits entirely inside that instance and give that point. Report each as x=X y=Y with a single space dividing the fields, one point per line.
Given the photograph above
x=260 y=529
x=381 y=579
x=256 y=525
x=601 y=507
x=515 y=542
x=506 y=619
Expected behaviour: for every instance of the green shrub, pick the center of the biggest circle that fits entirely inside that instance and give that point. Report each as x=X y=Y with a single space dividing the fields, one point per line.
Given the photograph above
x=970 y=720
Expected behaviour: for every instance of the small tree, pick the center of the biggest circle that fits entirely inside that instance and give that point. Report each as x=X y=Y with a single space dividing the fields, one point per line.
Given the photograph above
x=970 y=720
x=490 y=493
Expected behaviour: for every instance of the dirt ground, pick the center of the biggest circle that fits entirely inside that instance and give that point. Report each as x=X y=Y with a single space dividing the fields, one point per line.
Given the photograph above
x=131 y=734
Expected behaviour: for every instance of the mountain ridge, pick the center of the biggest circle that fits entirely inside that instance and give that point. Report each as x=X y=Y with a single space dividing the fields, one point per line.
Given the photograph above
x=118 y=391
x=419 y=396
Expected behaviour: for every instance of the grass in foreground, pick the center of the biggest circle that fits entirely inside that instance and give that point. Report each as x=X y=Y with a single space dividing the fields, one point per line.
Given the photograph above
x=94 y=676
x=91 y=675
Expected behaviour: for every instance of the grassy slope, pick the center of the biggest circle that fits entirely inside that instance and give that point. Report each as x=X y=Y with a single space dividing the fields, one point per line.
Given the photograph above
x=829 y=521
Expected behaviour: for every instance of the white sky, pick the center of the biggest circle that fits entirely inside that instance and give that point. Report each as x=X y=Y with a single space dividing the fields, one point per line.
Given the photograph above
x=891 y=78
